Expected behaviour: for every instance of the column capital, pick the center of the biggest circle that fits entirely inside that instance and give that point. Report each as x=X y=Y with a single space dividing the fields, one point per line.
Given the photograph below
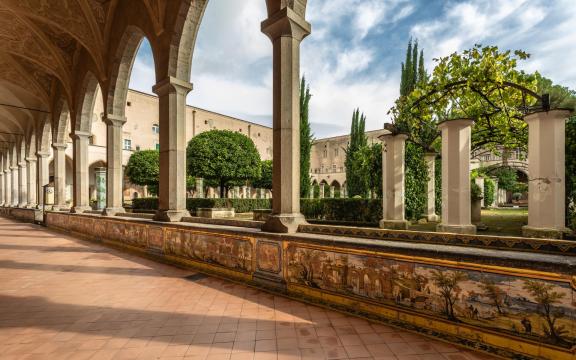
x=286 y=23
x=172 y=84
x=22 y=164
x=7 y=171
x=456 y=123
x=13 y=167
x=556 y=114
x=59 y=146
x=430 y=155
x=114 y=120
x=43 y=154
x=79 y=135
x=31 y=159
x=393 y=137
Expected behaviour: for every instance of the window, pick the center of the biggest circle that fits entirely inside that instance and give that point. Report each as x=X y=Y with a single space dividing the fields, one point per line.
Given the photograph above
x=137 y=147
x=128 y=103
x=325 y=153
x=333 y=167
x=127 y=144
x=158 y=147
x=336 y=152
x=156 y=129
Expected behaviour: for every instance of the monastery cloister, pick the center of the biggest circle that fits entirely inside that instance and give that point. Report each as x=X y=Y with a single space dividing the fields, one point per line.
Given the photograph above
x=55 y=55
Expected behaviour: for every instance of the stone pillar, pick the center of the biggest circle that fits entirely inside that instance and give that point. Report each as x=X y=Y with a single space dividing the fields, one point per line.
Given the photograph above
x=15 y=187
x=244 y=192
x=32 y=184
x=311 y=192
x=546 y=166
x=431 y=215
x=236 y=193
x=172 y=105
x=59 y=151
x=456 y=202
x=480 y=182
x=332 y=191
x=81 y=198
x=22 y=184
x=344 y=192
x=43 y=175
x=7 y=187
x=286 y=29
x=321 y=192
x=1 y=184
x=393 y=210
x=496 y=190
x=199 y=188
x=114 y=196
x=100 y=175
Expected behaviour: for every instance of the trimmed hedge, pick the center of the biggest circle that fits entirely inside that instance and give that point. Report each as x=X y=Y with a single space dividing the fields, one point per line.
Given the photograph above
x=240 y=205
x=344 y=210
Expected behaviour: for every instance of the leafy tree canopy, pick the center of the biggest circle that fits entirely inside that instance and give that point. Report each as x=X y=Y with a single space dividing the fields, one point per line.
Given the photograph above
x=224 y=156
x=482 y=83
x=143 y=169
x=265 y=180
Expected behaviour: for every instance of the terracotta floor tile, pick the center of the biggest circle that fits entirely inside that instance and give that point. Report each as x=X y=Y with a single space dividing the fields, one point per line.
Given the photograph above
x=63 y=298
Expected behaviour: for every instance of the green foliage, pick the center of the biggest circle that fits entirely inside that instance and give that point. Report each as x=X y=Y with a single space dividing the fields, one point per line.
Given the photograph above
x=475 y=191
x=367 y=166
x=507 y=178
x=265 y=180
x=344 y=210
x=240 y=205
x=143 y=169
x=438 y=185
x=223 y=156
x=415 y=182
x=489 y=191
x=571 y=172
x=355 y=180
x=306 y=138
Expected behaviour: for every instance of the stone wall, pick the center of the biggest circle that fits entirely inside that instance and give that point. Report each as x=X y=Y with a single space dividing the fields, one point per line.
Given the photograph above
x=499 y=301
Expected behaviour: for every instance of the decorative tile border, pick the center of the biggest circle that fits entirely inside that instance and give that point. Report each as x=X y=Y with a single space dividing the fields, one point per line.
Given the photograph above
x=550 y=246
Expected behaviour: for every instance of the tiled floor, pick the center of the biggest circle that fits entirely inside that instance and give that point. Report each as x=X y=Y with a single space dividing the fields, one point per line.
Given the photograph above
x=61 y=298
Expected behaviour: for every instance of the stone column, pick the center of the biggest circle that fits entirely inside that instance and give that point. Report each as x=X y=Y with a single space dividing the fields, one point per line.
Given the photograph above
x=480 y=182
x=546 y=166
x=7 y=187
x=344 y=192
x=172 y=105
x=286 y=29
x=321 y=192
x=59 y=151
x=311 y=192
x=496 y=190
x=81 y=198
x=393 y=210
x=43 y=175
x=114 y=175
x=15 y=187
x=431 y=215
x=199 y=188
x=22 y=185
x=32 y=184
x=100 y=175
x=1 y=184
x=236 y=192
x=456 y=202
x=332 y=191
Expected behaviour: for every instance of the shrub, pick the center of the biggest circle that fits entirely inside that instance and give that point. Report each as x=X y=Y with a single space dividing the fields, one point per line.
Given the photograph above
x=489 y=189
x=475 y=192
x=347 y=210
x=240 y=205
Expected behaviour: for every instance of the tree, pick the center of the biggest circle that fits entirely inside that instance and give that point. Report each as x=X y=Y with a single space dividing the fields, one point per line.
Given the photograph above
x=367 y=165
x=143 y=169
x=494 y=293
x=507 y=178
x=224 y=156
x=546 y=298
x=447 y=282
x=356 y=183
x=265 y=180
x=306 y=138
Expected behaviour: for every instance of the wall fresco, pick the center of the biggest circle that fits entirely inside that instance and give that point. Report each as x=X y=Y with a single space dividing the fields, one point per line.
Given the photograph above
x=231 y=252
x=539 y=310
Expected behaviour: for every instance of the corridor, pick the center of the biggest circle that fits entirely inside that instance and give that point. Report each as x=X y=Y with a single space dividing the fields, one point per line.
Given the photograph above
x=62 y=298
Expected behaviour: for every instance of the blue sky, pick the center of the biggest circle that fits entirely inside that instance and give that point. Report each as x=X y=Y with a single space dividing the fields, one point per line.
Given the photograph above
x=352 y=58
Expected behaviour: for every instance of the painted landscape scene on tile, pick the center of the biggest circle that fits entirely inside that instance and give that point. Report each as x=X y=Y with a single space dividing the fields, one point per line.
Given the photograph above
x=531 y=308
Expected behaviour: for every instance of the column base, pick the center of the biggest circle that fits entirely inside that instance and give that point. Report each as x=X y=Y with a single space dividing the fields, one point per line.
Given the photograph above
x=543 y=233
x=23 y=205
x=284 y=223
x=433 y=218
x=394 y=224
x=113 y=211
x=171 y=215
x=457 y=229
x=80 y=209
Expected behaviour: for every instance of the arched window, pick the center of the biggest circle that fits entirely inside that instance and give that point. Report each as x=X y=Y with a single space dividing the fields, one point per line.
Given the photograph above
x=156 y=129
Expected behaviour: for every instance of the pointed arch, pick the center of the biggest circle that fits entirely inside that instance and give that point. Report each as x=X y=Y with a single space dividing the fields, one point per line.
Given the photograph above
x=60 y=117
x=82 y=121
x=43 y=135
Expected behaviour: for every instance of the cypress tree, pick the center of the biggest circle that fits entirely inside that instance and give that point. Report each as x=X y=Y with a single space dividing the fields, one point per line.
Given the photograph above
x=355 y=182
x=422 y=77
x=407 y=71
x=306 y=138
x=414 y=70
